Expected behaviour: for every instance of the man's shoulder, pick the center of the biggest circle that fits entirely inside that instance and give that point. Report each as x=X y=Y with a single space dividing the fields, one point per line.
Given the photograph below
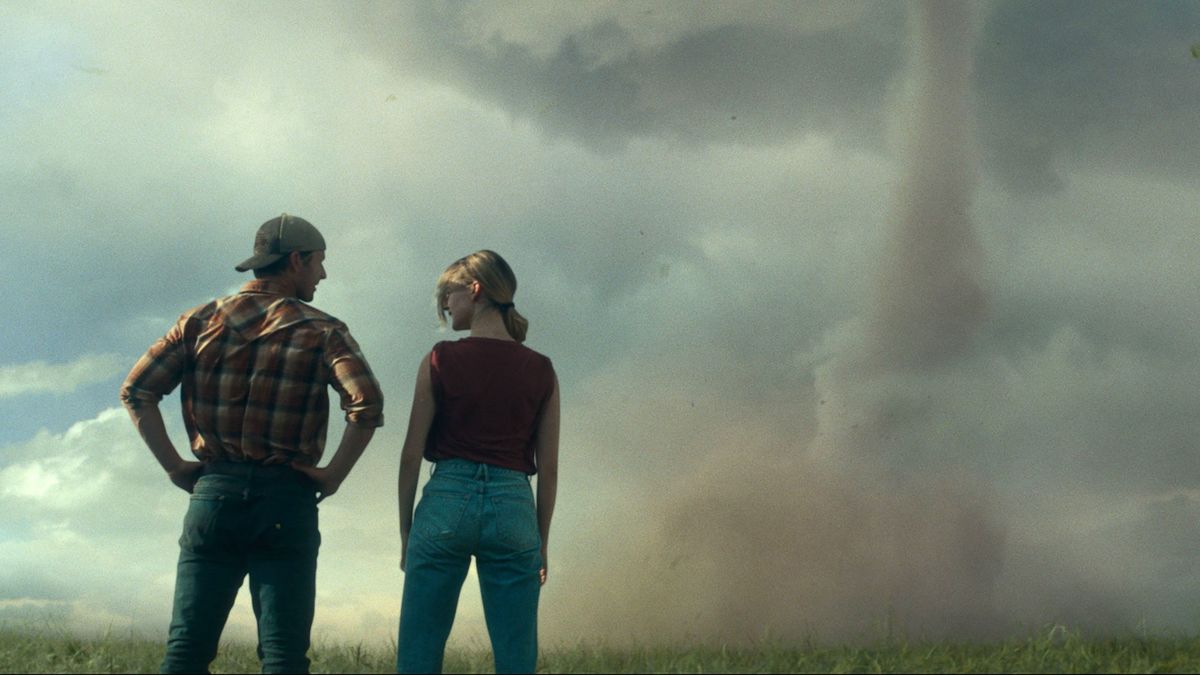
x=292 y=314
x=224 y=306
x=271 y=311
x=203 y=311
x=309 y=313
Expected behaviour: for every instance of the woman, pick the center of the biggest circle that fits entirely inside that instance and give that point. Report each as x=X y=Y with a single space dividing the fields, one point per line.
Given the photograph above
x=485 y=411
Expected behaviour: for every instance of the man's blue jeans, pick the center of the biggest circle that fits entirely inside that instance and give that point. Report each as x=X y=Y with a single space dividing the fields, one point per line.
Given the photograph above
x=246 y=519
x=469 y=509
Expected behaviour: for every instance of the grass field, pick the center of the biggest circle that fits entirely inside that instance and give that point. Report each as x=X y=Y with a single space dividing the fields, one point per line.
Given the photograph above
x=1054 y=651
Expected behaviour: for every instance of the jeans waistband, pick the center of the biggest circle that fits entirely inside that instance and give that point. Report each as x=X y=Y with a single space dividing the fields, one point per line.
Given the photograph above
x=252 y=470
x=466 y=468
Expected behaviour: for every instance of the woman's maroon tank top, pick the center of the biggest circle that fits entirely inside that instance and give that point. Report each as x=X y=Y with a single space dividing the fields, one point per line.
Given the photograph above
x=490 y=395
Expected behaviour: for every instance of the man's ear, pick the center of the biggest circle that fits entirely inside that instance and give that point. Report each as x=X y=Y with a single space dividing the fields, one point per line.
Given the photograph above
x=295 y=261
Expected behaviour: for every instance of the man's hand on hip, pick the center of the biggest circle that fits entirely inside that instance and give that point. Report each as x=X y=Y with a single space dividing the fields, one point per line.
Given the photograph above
x=185 y=474
x=327 y=483
x=329 y=478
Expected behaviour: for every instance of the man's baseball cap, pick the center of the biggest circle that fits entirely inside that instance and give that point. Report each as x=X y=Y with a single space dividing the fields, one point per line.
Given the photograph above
x=280 y=236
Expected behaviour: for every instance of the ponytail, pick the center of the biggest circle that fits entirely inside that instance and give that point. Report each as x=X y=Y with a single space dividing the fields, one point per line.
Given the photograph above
x=516 y=324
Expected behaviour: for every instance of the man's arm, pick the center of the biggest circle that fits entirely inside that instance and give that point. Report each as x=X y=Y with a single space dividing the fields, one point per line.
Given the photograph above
x=149 y=422
x=363 y=402
x=155 y=375
x=546 y=451
x=330 y=477
x=419 y=421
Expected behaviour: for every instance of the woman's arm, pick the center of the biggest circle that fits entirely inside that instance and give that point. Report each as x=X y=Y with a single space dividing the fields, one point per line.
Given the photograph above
x=419 y=421
x=546 y=451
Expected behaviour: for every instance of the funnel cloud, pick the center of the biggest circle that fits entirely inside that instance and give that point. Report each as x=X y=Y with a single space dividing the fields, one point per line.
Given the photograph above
x=842 y=537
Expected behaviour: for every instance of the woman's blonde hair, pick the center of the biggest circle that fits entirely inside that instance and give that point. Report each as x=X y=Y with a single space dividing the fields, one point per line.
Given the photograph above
x=497 y=280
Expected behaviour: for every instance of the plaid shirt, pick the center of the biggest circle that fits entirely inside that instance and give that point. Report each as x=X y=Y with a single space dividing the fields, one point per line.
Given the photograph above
x=255 y=367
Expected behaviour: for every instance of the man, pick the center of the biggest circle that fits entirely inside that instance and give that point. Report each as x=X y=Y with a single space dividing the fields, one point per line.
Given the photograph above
x=254 y=368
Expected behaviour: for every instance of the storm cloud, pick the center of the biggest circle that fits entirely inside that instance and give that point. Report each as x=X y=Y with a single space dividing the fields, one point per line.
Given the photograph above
x=784 y=412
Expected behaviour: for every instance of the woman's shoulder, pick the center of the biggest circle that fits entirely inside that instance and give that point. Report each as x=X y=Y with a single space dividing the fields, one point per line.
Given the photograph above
x=529 y=352
x=542 y=357
x=437 y=353
x=539 y=358
x=491 y=348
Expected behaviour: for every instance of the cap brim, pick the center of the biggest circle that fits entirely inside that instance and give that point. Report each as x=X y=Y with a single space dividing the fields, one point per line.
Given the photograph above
x=257 y=261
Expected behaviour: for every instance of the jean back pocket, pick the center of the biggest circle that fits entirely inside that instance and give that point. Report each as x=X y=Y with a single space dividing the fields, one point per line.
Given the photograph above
x=516 y=523
x=439 y=514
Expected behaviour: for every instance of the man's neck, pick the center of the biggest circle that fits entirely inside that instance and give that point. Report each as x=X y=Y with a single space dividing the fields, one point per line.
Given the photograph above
x=280 y=285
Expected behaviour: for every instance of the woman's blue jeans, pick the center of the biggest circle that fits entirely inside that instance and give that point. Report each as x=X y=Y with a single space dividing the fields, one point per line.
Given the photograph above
x=469 y=509
x=246 y=519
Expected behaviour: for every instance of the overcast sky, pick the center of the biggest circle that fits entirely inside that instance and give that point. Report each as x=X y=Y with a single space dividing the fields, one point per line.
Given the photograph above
x=702 y=204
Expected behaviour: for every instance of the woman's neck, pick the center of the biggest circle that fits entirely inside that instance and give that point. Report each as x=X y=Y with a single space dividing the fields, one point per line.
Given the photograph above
x=489 y=324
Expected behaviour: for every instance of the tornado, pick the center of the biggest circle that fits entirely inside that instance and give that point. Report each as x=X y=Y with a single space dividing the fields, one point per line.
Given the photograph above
x=929 y=303
x=838 y=537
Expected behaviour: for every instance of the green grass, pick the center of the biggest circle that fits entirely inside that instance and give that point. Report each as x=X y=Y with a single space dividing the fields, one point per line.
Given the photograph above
x=42 y=650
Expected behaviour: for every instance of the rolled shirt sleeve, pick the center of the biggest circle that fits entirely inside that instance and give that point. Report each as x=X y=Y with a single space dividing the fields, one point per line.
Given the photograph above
x=158 y=372
x=362 y=398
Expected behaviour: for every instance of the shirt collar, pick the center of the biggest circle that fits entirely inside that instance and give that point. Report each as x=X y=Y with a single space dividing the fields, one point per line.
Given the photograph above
x=270 y=286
